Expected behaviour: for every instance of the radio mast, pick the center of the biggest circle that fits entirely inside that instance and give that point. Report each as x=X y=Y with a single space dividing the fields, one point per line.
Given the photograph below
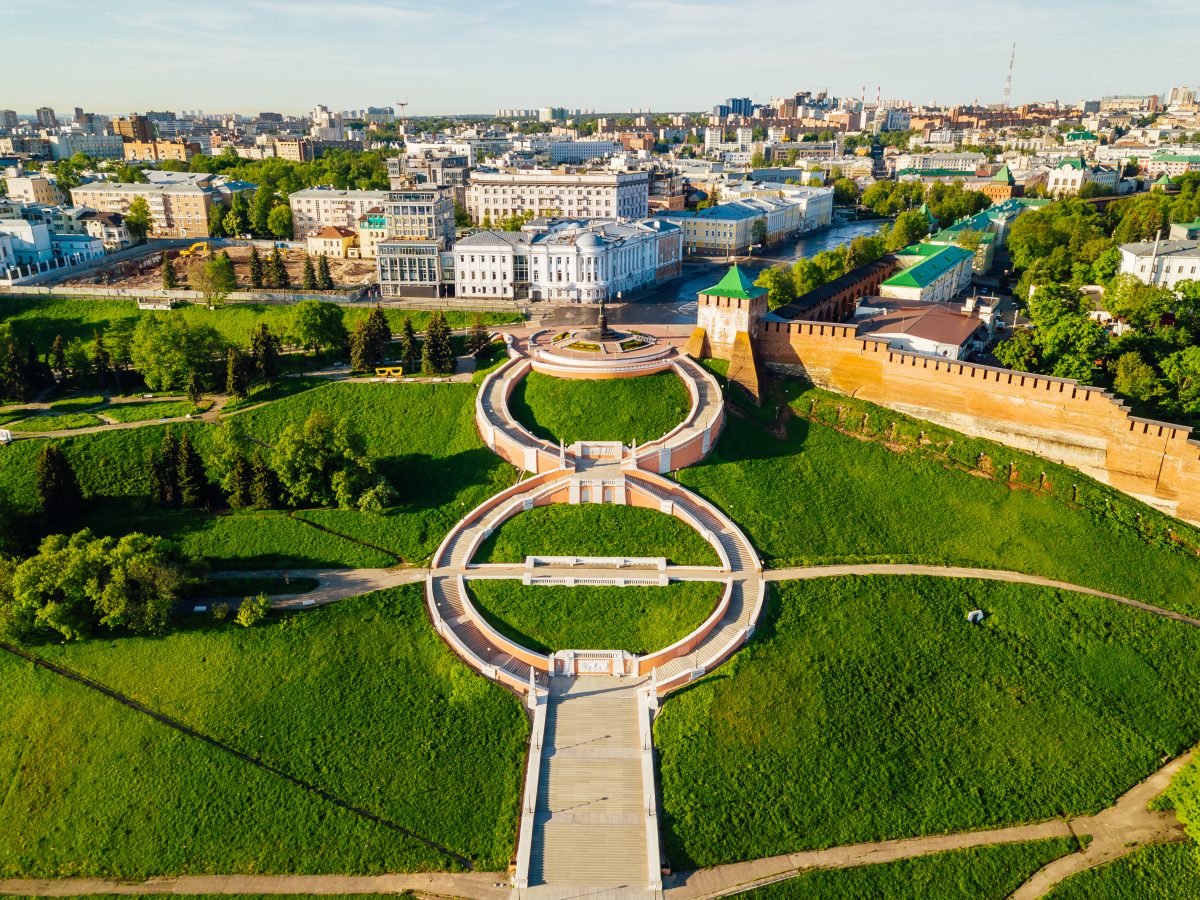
x=1008 y=81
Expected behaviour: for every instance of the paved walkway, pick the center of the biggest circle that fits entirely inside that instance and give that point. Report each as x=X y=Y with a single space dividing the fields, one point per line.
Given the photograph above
x=830 y=571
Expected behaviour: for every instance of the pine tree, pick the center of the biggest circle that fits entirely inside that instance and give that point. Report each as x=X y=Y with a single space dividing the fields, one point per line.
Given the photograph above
x=309 y=277
x=324 y=279
x=193 y=483
x=264 y=346
x=237 y=374
x=477 y=337
x=437 y=353
x=241 y=483
x=58 y=357
x=256 y=269
x=379 y=335
x=409 y=351
x=12 y=381
x=170 y=280
x=100 y=358
x=57 y=487
x=360 y=348
x=164 y=470
x=264 y=485
x=195 y=388
x=277 y=276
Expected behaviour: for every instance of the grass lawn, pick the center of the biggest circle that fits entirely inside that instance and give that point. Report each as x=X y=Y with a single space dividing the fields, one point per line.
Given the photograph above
x=867 y=708
x=593 y=529
x=422 y=437
x=39 y=423
x=40 y=320
x=1160 y=872
x=616 y=409
x=638 y=619
x=148 y=410
x=822 y=496
x=980 y=873
x=360 y=699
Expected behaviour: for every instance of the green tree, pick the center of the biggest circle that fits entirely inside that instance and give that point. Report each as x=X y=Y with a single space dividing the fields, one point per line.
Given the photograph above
x=214 y=278
x=264 y=201
x=845 y=192
x=264 y=347
x=137 y=219
x=324 y=279
x=264 y=484
x=277 y=275
x=462 y=218
x=318 y=325
x=253 y=610
x=193 y=482
x=308 y=280
x=256 y=269
x=758 y=232
x=908 y=228
x=237 y=374
x=969 y=239
x=437 y=352
x=1182 y=372
x=1134 y=378
x=164 y=470
x=146 y=576
x=195 y=388
x=410 y=352
x=1142 y=305
x=478 y=337
x=279 y=222
x=58 y=357
x=1019 y=352
x=57 y=488
x=781 y=288
x=166 y=350
x=169 y=280
x=324 y=462
x=379 y=335
x=359 y=348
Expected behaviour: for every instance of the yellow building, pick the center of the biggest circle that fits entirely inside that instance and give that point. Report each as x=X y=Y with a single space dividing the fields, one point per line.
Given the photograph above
x=332 y=241
x=176 y=210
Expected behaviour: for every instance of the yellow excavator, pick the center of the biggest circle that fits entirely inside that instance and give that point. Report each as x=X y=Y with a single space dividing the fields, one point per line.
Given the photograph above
x=199 y=249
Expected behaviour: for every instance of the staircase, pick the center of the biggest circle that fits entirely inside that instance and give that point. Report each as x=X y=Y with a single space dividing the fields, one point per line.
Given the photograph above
x=589 y=833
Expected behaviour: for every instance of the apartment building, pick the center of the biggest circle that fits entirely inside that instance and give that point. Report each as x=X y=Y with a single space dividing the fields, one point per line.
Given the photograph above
x=568 y=260
x=132 y=128
x=582 y=151
x=97 y=146
x=176 y=210
x=409 y=235
x=1172 y=164
x=757 y=217
x=320 y=207
x=492 y=196
x=156 y=151
x=33 y=189
x=109 y=228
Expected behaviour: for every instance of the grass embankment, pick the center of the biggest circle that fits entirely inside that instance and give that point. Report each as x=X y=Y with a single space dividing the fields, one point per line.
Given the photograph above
x=868 y=708
x=596 y=530
x=618 y=409
x=40 y=320
x=422 y=437
x=1160 y=872
x=86 y=412
x=149 y=410
x=637 y=619
x=823 y=496
x=36 y=424
x=390 y=722
x=983 y=873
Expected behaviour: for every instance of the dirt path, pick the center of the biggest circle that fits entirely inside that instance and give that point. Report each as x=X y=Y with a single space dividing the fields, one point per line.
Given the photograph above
x=1115 y=831
x=209 y=415
x=481 y=885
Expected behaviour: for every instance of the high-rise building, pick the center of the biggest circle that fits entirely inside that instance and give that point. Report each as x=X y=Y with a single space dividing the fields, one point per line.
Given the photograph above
x=78 y=115
x=46 y=117
x=133 y=128
x=8 y=118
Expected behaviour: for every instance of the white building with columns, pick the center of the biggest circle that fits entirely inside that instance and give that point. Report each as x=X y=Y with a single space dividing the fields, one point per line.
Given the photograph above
x=567 y=260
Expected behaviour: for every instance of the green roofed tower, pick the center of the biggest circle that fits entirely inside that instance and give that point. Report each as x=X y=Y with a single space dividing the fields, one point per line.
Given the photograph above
x=735 y=285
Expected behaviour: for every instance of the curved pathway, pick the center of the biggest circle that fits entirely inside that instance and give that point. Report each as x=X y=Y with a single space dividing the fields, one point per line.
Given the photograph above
x=209 y=415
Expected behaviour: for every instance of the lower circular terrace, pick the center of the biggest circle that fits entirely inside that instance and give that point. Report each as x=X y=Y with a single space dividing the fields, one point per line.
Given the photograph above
x=596 y=472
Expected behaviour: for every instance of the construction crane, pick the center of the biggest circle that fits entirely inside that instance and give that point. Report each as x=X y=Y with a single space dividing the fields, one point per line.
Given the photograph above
x=1008 y=81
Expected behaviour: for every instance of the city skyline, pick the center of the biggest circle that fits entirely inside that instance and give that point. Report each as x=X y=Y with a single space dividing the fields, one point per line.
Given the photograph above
x=460 y=58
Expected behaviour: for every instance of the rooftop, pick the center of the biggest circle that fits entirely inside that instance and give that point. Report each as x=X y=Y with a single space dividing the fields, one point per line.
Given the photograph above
x=931 y=321
x=930 y=270
x=1165 y=248
x=735 y=284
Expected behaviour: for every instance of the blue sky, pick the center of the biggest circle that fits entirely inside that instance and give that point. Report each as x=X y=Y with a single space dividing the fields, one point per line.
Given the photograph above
x=611 y=55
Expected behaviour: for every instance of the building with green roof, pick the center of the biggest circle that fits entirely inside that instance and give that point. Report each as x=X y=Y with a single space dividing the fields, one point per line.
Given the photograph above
x=938 y=277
